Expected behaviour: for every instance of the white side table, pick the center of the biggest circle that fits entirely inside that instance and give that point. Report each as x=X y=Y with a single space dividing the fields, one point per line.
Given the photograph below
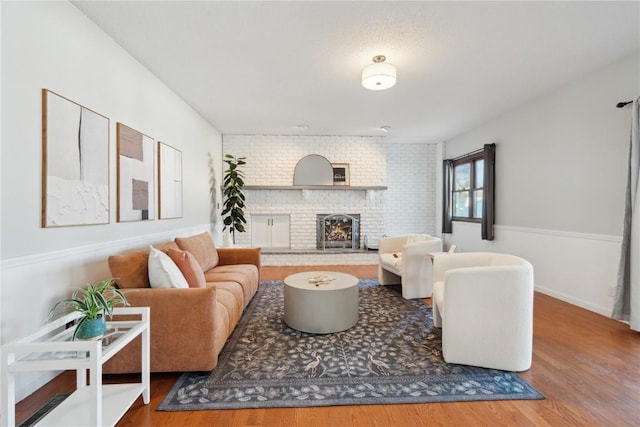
x=51 y=349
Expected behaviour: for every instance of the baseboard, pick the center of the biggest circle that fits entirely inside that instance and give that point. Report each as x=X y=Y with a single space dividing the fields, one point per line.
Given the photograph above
x=575 y=301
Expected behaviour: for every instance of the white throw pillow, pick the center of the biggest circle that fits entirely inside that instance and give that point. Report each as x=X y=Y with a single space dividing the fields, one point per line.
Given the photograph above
x=163 y=272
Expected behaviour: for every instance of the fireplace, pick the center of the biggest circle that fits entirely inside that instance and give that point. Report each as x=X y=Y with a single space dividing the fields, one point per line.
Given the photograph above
x=337 y=231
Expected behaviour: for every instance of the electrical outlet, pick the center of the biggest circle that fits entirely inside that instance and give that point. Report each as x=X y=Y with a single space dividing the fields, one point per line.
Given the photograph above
x=612 y=291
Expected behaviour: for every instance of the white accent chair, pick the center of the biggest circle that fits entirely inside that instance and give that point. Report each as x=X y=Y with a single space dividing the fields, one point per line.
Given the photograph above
x=484 y=304
x=404 y=260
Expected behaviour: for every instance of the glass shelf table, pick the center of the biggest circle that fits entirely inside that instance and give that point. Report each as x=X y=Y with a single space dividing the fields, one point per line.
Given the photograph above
x=52 y=349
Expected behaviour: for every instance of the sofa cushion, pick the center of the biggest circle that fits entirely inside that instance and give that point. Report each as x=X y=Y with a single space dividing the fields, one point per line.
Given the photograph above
x=202 y=248
x=242 y=274
x=413 y=238
x=221 y=328
x=131 y=269
x=391 y=262
x=249 y=270
x=189 y=267
x=392 y=259
x=163 y=272
x=230 y=295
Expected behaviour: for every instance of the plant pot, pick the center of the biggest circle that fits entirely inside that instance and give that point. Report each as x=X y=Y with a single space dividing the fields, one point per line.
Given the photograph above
x=91 y=329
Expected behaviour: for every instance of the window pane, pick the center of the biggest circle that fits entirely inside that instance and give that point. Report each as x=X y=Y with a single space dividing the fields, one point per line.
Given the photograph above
x=479 y=174
x=462 y=177
x=477 y=204
x=461 y=204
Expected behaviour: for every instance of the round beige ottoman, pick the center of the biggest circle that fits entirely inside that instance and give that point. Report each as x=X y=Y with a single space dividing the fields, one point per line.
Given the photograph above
x=321 y=302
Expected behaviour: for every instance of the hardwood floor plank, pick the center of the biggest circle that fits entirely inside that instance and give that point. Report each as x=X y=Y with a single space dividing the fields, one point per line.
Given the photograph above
x=586 y=365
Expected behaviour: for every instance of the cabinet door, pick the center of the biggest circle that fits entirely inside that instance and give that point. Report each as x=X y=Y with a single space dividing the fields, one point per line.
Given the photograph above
x=280 y=231
x=261 y=231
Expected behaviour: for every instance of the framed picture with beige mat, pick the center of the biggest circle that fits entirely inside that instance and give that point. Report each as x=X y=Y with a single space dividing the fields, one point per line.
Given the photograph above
x=136 y=183
x=75 y=163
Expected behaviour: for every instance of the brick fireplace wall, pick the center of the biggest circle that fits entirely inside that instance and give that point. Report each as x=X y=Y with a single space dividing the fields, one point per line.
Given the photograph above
x=271 y=160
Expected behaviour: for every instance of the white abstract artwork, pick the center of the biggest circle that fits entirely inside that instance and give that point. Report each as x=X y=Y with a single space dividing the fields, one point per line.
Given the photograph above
x=75 y=163
x=170 y=180
x=135 y=175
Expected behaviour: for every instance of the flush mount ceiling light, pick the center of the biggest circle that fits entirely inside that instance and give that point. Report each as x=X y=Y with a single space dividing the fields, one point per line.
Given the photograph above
x=379 y=75
x=385 y=129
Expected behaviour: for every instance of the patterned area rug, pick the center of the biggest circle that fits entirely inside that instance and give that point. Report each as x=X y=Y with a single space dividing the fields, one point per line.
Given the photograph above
x=393 y=355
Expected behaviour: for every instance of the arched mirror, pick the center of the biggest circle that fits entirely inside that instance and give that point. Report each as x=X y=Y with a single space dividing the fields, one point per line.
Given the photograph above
x=313 y=169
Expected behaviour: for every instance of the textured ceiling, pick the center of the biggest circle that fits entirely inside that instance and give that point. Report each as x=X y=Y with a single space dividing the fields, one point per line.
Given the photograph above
x=266 y=67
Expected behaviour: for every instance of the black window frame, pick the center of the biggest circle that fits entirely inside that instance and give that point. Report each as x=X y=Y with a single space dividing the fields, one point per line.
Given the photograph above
x=470 y=159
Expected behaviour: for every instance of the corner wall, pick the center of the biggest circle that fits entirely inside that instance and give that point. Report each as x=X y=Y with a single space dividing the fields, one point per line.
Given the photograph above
x=53 y=45
x=560 y=178
x=410 y=205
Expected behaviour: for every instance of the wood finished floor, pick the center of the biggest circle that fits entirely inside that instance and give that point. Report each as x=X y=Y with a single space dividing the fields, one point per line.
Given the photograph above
x=586 y=365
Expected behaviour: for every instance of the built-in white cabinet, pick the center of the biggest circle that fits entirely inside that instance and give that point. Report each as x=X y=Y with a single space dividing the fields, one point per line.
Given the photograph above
x=270 y=231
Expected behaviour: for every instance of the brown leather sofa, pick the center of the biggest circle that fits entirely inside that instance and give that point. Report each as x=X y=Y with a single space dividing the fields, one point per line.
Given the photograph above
x=190 y=326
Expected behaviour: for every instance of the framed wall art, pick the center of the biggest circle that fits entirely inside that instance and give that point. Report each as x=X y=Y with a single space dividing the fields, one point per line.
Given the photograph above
x=136 y=178
x=169 y=181
x=75 y=163
x=340 y=173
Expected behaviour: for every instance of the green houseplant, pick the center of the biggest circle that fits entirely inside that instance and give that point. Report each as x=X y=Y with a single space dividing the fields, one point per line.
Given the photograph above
x=233 y=211
x=95 y=302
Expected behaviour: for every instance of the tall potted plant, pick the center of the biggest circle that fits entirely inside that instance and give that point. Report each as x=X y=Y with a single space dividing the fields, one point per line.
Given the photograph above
x=233 y=212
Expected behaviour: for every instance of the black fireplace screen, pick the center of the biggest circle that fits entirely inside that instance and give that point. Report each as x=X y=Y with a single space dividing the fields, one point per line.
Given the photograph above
x=338 y=231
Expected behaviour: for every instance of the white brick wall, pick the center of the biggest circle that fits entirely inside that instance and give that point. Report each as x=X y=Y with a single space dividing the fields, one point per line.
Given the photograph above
x=406 y=207
x=272 y=158
x=410 y=203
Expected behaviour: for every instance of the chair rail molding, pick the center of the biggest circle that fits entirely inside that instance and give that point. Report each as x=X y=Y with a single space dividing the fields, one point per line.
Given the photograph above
x=578 y=268
x=570 y=234
x=113 y=245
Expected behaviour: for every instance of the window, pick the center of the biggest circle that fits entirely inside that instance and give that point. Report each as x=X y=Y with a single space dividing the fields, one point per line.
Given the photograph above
x=468 y=188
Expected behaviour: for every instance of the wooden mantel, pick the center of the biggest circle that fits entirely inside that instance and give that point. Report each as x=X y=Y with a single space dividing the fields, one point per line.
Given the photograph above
x=314 y=187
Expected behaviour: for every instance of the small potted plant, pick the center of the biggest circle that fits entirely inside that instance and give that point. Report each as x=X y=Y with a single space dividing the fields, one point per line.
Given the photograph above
x=95 y=302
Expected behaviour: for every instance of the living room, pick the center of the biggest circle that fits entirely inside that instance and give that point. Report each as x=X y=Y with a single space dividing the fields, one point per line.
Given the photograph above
x=561 y=163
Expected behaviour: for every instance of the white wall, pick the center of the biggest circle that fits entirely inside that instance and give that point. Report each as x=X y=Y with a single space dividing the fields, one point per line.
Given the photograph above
x=408 y=170
x=410 y=204
x=53 y=45
x=560 y=178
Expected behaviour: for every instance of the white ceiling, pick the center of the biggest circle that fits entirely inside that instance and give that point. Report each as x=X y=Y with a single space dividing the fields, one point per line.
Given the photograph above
x=266 y=67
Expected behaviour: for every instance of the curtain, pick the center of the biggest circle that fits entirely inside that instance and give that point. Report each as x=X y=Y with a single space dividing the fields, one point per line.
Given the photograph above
x=446 y=196
x=488 y=204
x=627 y=301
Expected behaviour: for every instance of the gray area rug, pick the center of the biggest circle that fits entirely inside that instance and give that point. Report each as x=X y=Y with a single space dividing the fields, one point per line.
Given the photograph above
x=393 y=355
